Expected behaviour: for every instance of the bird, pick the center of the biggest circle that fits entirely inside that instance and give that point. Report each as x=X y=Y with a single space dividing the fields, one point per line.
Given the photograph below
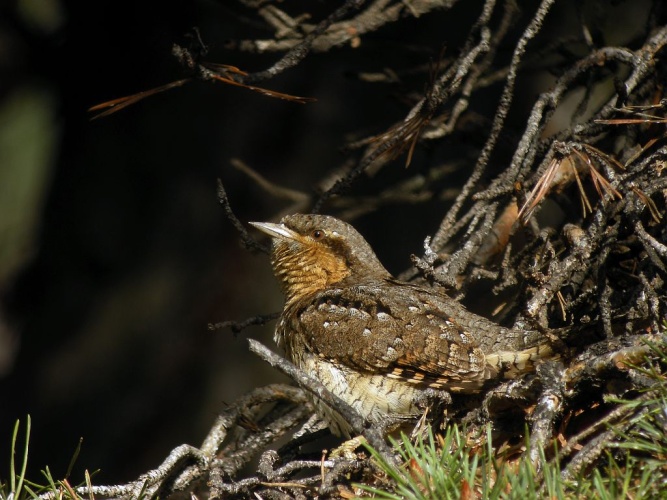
x=380 y=344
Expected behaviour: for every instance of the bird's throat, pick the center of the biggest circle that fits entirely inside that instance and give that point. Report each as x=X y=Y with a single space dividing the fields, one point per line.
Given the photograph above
x=304 y=271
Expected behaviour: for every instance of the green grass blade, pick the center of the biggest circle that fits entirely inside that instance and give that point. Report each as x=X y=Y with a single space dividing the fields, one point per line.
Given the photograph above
x=17 y=486
x=74 y=457
x=12 y=469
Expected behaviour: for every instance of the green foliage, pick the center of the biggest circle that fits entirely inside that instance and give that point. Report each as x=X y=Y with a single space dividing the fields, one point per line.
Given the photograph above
x=16 y=480
x=19 y=488
x=430 y=472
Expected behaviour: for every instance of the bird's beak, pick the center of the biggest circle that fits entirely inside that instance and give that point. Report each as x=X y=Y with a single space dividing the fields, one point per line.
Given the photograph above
x=279 y=231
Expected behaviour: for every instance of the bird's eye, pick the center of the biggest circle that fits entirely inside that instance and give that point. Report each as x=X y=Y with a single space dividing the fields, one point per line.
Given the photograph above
x=317 y=234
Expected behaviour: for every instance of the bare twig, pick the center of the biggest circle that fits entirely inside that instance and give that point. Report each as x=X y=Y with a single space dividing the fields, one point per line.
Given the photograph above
x=239 y=326
x=248 y=241
x=313 y=386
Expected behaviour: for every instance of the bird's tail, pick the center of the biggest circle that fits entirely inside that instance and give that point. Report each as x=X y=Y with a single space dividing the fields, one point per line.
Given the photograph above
x=511 y=364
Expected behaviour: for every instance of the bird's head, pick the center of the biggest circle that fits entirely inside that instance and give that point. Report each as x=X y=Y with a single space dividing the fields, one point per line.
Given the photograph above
x=312 y=252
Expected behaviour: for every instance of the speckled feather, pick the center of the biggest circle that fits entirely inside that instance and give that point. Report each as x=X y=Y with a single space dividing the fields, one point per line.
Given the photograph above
x=376 y=342
x=376 y=329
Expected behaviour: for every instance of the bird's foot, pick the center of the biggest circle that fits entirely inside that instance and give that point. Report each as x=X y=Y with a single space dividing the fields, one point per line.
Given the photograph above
x=347 y=449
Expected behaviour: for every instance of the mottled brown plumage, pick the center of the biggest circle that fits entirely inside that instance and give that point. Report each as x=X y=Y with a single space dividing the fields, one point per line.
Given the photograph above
x=378 y=343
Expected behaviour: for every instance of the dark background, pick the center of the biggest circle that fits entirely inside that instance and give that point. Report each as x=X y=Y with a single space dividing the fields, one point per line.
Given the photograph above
x=115 y=252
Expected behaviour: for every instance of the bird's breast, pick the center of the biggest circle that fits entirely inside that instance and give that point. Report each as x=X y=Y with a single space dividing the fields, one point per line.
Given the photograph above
x=375 y=397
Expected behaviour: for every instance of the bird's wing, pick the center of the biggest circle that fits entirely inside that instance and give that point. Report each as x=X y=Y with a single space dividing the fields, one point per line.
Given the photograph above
x=377 y=328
